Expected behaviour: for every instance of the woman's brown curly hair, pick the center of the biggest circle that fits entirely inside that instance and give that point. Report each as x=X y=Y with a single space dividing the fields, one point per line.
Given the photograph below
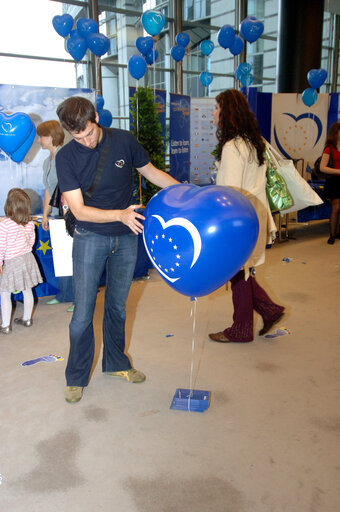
x=237 y=120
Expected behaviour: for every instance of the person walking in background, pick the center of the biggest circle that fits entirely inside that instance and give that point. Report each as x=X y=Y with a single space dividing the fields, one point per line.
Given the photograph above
x=18 y=267
x=105 y=237
x=330 y=164
x=241 y=165
x=51 y=137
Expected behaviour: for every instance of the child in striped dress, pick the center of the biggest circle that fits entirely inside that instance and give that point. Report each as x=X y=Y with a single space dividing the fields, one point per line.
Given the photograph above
x=18 y=267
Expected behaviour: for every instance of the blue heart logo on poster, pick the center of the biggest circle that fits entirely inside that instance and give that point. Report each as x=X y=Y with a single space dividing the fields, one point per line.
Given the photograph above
x=198 y=238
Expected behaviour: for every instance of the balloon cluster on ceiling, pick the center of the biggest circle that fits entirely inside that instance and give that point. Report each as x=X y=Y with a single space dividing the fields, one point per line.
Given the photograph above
x=153 y=22
x=85 y=36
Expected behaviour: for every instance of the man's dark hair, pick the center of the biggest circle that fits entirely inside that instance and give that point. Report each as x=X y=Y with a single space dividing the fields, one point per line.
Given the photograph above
x=75 y=112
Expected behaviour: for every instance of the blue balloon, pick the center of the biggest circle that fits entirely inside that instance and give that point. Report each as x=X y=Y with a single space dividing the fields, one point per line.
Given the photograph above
x=207 y=47
x=226 y=36
x=99 y=102
x=199 y=237
x=105 y=118
x=247 y=80
x=182 y=39
x=14 y=130
x=316 y=77
x=20 y=153
x=86 y=26
x=251 y=29
x=98 y=43
x=309 y=97
x=152 y=56
x=74 y=33
x=177 y=52
x=76 y=47
x=237 y=46
x=137 y=66
x=206 y=78
x=153 y=22
x=242 y=69
x=144 y=44
x=63 y=24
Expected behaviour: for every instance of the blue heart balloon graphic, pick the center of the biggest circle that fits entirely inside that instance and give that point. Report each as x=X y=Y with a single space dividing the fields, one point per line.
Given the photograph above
x=237 y=46
x=207 y=47
x=206 y=78
x=309 y=97
x=226 y=36
x=86 y=26
x=14 y=130
x=144 y=44
x=251 y=29
x=137 y=66
x=316 y=77
x=18 y=155
x=177 y=53
x=199 y=237
x=105 y=118
x=76 y=47
x=99 y=102
x=63 y=24
x=98 y=43
x=152 y=56
x=153 y=22
x=182 y=39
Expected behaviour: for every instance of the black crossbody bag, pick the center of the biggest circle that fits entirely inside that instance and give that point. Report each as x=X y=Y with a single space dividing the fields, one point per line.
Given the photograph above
x=70 y=220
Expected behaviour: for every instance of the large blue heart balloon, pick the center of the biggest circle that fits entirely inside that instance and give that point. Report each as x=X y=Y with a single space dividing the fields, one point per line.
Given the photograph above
x=18 y=155
x=86 y=26
x=206 y=78
x=177 y=52
x=226 y=36
x=152 y=56
x=207 y=47
x=182 y=39
x=144 y=44
x=105 y=118
x=153 y=22
x=309 y=97
x=98 y=43
x=237 y=46
x=316 y=77
x=251 y=29
x=76 y=47
x=137 y=66
x=14 y=130
x=199 y=237
x=63 y=24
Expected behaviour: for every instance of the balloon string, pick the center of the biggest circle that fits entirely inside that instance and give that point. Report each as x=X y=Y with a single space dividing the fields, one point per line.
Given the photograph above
x=193 y=316
x=154 y=71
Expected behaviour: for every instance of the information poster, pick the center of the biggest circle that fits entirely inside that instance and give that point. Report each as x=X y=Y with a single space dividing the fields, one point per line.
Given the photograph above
x=180 y=137
x=202 y=141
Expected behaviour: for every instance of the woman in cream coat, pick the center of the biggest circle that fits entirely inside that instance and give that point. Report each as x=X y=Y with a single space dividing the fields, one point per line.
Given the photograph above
x=240 y=164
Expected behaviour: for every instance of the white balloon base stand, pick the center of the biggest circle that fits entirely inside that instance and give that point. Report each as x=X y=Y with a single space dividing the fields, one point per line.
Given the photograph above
x=195 y=400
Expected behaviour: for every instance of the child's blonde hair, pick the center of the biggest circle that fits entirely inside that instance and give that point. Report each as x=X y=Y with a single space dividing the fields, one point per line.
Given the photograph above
x=18 y=206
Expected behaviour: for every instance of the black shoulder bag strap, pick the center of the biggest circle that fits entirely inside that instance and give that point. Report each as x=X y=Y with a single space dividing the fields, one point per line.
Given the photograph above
x=101 y=164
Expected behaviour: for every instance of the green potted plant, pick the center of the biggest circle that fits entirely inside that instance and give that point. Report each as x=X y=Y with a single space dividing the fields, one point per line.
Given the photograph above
x=148 y=130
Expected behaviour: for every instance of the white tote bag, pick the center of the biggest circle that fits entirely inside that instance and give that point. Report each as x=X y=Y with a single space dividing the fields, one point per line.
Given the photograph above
x=302 y=192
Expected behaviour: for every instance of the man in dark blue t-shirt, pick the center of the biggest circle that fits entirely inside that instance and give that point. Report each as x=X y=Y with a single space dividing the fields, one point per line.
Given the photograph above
x=105 y=236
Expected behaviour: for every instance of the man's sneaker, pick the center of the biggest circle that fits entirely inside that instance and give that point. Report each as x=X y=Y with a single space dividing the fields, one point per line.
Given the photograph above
x=131 y=375
x=73 y=393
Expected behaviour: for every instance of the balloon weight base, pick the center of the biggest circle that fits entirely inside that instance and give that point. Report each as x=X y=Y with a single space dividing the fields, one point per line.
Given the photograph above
x=190 y=400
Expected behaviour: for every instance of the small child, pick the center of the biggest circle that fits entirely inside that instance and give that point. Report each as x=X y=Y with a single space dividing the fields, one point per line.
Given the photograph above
x=18 y=267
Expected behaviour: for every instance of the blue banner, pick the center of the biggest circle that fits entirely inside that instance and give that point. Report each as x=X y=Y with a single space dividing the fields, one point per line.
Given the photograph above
x=180 y=137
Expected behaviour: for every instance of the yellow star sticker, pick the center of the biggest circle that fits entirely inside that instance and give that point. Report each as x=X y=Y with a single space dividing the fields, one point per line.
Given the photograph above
x=44 y=246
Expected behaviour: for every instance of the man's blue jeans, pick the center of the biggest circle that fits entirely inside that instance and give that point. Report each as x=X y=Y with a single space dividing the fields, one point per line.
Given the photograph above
x=92 y=253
